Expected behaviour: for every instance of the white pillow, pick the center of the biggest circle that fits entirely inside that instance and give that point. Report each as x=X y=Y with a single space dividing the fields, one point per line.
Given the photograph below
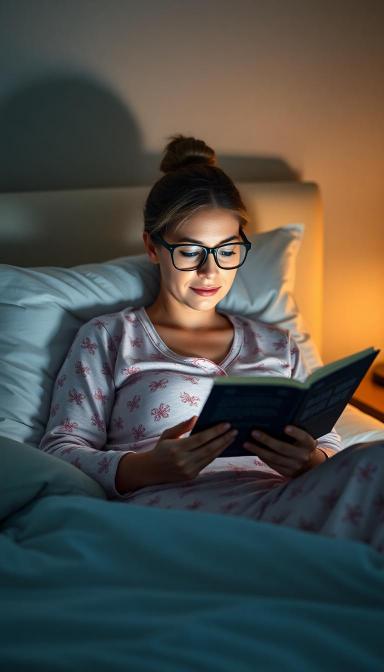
x=41 y=310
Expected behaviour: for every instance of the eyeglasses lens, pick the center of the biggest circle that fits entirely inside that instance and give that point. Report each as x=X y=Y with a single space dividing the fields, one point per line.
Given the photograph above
x=188 y=257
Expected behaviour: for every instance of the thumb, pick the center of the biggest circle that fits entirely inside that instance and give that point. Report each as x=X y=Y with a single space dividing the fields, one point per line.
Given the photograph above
x=181 y=428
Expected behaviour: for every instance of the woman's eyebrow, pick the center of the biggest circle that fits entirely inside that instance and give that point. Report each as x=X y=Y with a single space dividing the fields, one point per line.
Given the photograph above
x=200 y=242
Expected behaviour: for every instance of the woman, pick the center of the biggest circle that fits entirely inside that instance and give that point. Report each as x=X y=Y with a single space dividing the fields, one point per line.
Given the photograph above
x=133 y=383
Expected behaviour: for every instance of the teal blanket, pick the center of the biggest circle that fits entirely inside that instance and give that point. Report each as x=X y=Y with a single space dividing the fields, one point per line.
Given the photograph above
x=90 y=584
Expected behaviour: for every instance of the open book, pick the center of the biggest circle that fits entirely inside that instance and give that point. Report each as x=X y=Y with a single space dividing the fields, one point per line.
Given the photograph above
x=270 y=403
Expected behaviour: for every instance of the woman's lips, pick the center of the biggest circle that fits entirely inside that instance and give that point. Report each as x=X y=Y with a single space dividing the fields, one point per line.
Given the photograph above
x=205 y=292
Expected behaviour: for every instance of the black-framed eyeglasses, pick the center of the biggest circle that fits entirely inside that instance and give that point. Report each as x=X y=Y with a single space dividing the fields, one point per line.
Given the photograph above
x=190 y=256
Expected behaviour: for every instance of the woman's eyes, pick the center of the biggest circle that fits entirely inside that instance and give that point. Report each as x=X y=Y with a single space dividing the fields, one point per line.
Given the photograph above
x=224 y=253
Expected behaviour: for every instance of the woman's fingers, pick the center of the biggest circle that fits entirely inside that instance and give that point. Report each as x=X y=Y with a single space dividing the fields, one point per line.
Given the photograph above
x=301 y=436
x=200 y=439
x=287 y=458
x=212 y=450
x=273 y=459
x=303 y=440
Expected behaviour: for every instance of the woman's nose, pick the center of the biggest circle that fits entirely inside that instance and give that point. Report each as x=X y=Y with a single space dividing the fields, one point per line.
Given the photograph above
x=208 y=268
x=210 y=263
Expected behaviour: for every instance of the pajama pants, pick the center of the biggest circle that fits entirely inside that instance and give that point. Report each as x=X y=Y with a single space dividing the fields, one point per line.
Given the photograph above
x=342 y=497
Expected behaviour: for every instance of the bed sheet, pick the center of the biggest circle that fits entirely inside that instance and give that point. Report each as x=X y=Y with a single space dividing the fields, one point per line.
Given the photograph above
x=90 y=584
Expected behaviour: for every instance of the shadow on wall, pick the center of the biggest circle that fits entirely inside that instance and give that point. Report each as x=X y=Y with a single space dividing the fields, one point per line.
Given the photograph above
x=72 y=132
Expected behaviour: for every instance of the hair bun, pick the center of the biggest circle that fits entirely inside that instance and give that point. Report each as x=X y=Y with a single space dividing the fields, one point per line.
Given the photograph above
x=182 y=151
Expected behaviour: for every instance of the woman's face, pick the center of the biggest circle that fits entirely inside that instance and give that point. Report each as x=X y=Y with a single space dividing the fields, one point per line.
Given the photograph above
x=211 y=227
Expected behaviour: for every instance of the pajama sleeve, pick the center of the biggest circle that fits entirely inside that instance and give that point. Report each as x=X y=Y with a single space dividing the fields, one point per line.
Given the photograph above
x=300 y=371
x=81 y=405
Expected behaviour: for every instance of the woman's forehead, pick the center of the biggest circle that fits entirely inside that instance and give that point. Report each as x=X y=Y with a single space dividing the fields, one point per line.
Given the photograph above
x=207 y=227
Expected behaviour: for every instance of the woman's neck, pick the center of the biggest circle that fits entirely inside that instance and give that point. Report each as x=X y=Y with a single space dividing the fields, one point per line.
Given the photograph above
x=187 y=320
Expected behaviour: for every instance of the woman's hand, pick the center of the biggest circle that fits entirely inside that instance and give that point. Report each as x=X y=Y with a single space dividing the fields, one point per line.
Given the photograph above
x=179 y=459
x=289 y=459
x=173 y=458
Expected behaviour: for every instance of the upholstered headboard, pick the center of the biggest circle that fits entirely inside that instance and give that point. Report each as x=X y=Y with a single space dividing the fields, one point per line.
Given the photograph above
x=69 y=227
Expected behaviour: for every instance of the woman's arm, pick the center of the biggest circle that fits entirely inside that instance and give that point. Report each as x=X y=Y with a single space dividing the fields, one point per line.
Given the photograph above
x=135 y=471
x=319 y=457
x=82 y=402
x=327 y=450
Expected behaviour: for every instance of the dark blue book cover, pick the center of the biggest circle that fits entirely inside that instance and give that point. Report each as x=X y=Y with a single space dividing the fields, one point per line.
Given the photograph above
x=272 y=403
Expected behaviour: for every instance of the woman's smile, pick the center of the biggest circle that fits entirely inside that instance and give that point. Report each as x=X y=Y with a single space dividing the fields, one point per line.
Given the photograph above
x=205 y=292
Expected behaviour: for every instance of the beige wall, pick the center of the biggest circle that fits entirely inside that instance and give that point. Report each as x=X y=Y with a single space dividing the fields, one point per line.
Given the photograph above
x=90 y=90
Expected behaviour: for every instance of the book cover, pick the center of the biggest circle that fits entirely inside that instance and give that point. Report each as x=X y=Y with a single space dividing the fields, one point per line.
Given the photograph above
x=270 y=403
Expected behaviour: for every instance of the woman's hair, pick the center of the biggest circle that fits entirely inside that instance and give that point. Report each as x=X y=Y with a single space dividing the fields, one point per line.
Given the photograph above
x=192 y=182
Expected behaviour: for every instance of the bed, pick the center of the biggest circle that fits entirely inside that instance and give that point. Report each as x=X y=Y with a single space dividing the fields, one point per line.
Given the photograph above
x=90 y=584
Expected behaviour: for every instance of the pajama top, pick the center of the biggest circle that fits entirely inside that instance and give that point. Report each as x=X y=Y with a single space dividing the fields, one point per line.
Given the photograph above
x=120 y=387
